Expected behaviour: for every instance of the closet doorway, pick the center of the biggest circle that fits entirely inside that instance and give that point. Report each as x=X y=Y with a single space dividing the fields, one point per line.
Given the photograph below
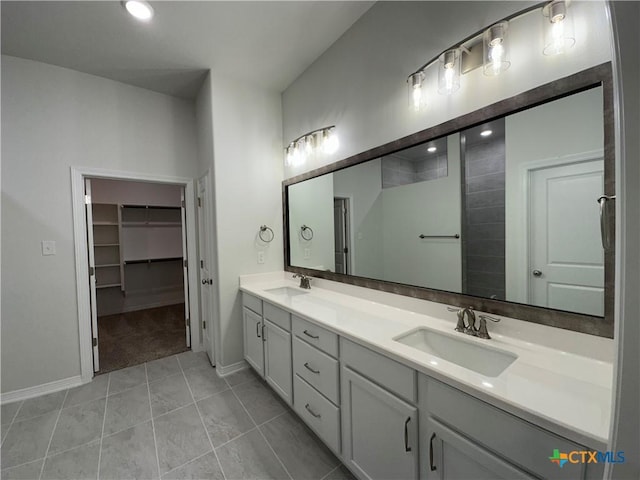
x=137 y=252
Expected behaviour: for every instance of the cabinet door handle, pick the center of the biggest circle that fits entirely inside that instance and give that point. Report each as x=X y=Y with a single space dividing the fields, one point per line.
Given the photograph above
x=309 y=335
x=264 y=338
x=258 y=329
x=407 y=448
x=431 y=465
x=317 y=415
x=306 y=365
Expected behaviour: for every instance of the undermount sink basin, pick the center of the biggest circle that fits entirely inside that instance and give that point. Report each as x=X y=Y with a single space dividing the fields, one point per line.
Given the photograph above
x=285 y=291
x=487 y=361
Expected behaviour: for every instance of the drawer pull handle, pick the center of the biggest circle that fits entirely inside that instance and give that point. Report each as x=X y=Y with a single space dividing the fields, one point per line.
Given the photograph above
x=407 y=448
x=310 y=335
x=317 y=415
x=258 y=329
x=306 y=365
x=431 y=465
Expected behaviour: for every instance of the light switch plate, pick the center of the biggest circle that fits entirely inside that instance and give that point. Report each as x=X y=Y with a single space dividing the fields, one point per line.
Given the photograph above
x=48 y=247
x=261 y=257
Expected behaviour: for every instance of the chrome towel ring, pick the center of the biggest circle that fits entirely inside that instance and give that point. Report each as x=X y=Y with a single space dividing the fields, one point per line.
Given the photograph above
x=306 y=232
x=263 y=229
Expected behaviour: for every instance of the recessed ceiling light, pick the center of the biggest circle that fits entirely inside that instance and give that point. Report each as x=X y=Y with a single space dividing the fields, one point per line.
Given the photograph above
x=431 y=149
x=486 y=133
x=139 y=9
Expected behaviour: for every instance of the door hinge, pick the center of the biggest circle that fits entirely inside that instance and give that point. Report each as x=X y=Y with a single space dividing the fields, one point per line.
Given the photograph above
x=199 y=201
x=346 y=250
x=182 y=203
x=201 y=263
x=184 y=263
x=92 y=271
x=188 y=322
x=87 y=199
x=204 y=325
x=95 y=342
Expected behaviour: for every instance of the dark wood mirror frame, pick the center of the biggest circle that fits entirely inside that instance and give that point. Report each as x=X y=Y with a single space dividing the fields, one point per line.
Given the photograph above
x=584 y=80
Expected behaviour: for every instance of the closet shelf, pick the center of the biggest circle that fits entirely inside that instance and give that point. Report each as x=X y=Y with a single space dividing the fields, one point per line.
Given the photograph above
x=108 y=285
x=152 y=260
x=107 y=265
x=151 y=224
x=106 y=244
x=105 y=224
x=160 y=207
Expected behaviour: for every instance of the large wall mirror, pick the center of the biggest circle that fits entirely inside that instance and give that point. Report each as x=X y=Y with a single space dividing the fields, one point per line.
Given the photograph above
x=497 y=209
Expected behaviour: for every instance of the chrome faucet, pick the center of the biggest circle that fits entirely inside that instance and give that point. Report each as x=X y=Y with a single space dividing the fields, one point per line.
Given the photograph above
x=469 y=327
x=304 y=280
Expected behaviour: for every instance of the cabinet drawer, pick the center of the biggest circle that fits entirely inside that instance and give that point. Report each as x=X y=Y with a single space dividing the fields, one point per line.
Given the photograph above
x=252 y=303
x=519 y=442
x=278 y=316
x=317 y=368
x=392 y=375
x=317 y=336
x=318 y=412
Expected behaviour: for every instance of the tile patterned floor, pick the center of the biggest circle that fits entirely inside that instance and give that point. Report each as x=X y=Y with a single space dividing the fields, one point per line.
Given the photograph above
x=172 y=418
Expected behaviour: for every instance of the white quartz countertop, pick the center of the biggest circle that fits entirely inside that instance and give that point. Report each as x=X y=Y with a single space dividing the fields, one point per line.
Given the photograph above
x=557 y=389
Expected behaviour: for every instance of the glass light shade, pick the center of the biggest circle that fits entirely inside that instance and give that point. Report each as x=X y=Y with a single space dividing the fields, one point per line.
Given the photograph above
x=330 y=141
x=415 y=91
x=558 y=28
x=496 y=49
x=449 y=72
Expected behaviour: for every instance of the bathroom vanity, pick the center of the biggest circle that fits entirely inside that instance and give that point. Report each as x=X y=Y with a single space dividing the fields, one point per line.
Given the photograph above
x=395 y=392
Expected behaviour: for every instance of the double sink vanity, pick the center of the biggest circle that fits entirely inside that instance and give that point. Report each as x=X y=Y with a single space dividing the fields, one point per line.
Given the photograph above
x=395 y=392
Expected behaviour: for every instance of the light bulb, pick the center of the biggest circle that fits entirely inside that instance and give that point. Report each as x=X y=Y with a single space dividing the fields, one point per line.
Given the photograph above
x=495 y=55
x=449 y=72
x=139 y=9
x=417 y=97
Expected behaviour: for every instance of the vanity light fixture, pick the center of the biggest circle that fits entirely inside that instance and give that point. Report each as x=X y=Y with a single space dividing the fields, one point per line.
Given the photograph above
x=449 y=72
x=495 y=48
x=558 y=34
x=306 y=145
x=139 y=9
x=489 y=48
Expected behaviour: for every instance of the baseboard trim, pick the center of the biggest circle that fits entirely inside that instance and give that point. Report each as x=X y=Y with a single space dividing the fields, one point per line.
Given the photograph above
x=36 y=391
x=224 y=370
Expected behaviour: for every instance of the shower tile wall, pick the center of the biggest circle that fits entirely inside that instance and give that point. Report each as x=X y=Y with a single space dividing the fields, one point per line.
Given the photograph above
x=484 y=217
x=398 y=171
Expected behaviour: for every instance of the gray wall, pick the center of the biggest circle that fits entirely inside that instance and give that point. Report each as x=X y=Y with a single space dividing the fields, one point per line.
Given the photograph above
x=54 y=118
x=483 y=205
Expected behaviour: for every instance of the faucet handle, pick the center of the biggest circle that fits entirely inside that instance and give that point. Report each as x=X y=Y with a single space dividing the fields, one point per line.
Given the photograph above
x=482 y=330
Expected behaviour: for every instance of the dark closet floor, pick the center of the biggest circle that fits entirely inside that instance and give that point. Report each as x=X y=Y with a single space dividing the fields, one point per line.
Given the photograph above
x=134 y=338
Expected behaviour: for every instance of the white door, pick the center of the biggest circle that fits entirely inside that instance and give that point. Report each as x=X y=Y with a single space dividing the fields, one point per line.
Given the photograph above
x=566 y=259
x=185 y=270
x=92 y=274
x=206 y=281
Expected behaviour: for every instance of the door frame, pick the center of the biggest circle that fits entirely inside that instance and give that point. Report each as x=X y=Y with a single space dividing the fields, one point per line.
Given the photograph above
x=519 y=276
x=351 y=235
x=78 y=175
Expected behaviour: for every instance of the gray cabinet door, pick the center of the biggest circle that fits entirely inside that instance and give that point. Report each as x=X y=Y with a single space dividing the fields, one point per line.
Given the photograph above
x=253 y=345
x=450 y=456
x=277 y=359
x=380 y=439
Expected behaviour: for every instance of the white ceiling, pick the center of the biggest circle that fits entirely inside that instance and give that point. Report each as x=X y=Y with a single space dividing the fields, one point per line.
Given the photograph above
x=270 y=43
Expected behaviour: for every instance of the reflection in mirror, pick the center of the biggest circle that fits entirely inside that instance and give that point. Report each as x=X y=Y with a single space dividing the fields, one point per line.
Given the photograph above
x=504 y=210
